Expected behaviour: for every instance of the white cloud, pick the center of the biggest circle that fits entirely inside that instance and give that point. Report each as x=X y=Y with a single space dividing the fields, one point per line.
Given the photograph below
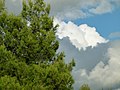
x=80 y=36
x=103 y=76
x=104 y=7
x=73 y=9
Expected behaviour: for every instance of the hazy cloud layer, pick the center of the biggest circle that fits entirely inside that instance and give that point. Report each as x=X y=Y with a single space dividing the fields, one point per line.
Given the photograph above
x=115 y=35
x=14 y=6
x=102 y=75
x=80 y=36
x=73 y=9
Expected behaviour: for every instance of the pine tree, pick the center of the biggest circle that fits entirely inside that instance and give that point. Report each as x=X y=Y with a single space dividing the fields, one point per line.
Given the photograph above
x=28 y=45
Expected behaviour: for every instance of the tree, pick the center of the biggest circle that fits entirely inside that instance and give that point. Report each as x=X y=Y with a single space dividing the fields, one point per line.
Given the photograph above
x=9 y=83
x=1 y=5
x=28 y=45
x=33 y=43
x=84 y=87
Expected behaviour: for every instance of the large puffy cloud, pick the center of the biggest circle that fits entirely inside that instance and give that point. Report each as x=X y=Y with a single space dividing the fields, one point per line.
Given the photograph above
x=102 y=75
x=73 y=9
x=80 y=36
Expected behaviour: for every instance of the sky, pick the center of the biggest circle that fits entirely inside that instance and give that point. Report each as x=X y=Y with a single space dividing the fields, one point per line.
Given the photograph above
x=105 y=24
x=89 y=32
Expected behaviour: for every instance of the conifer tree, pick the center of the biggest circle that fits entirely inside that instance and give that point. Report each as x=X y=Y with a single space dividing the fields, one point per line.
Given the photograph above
x=28 y=45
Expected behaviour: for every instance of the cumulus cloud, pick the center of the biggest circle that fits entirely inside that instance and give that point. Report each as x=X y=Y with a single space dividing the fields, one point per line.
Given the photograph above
x=102 y=76
x=80 y=36
x=73 y=9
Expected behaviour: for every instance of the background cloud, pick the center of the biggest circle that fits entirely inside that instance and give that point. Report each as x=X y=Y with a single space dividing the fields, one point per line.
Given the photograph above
x=80 y=36
x=115 y=35
x=85 y=59
x=73 y=9
x=14 y=6
x=103 y=7
x=102 y=75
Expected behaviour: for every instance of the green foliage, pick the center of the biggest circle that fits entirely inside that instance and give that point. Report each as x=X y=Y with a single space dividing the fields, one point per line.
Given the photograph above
x=1 y=5
x=28 y=59
x=84 y=87
x=33 y=43
x=9 y=83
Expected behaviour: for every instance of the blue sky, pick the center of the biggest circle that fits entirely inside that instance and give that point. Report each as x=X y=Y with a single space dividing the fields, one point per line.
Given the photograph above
x=106 y=23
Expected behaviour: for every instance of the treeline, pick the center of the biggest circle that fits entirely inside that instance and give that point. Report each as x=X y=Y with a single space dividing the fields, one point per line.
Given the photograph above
x=86 y=87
